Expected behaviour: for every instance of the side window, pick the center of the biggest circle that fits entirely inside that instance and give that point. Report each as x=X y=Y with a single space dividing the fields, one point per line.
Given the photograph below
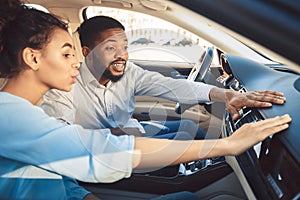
x=154 y=39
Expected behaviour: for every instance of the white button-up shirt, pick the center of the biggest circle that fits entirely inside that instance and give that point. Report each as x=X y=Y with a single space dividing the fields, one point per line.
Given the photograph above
x=96 y=106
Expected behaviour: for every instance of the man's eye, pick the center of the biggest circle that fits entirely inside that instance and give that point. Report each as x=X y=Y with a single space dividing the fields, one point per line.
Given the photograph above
x=110 y=48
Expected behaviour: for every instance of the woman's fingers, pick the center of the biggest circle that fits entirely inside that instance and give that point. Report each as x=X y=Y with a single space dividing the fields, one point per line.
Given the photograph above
x=273 y=122
x=273 y=125
x=253 y=133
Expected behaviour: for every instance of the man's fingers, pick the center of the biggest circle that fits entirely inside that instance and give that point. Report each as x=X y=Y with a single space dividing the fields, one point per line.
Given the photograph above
x=257 y=99
x=257 y=103
x=275 y=93
x=234 y=112
x=267 y=96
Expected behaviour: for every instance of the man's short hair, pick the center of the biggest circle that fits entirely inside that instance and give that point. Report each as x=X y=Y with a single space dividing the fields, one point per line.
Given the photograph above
x=90 y=30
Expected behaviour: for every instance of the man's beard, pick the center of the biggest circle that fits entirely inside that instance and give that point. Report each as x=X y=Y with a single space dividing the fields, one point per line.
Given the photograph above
x=107 y=74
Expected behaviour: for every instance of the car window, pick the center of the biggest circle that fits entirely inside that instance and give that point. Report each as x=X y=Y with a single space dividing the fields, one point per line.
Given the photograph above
x=154 y=39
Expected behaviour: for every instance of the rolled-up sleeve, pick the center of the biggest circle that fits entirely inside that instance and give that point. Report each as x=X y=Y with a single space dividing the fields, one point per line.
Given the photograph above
x=178 y=90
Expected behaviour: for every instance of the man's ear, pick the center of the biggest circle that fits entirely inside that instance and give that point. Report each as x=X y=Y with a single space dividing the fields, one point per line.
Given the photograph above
x=30 y=57
x=85 y=51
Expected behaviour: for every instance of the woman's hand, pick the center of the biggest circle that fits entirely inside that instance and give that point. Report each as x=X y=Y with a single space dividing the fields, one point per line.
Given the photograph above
x=252 y=133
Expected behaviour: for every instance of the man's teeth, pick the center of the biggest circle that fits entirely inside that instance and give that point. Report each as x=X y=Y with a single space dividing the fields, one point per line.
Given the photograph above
x=117 y=65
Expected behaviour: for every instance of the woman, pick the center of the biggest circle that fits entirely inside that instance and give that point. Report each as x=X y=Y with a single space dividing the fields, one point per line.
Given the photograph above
x=37 y=152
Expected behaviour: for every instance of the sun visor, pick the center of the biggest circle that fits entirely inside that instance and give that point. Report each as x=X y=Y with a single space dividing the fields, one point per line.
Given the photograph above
x=154 y=5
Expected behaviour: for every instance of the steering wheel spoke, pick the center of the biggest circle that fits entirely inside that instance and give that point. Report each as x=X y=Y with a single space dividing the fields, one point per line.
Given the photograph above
x=198 y=74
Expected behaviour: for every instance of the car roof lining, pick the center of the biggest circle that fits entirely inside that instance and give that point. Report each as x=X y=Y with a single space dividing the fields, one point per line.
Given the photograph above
x=173 y=13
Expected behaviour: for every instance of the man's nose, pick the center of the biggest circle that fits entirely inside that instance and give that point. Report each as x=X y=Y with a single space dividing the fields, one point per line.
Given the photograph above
x=122 y=53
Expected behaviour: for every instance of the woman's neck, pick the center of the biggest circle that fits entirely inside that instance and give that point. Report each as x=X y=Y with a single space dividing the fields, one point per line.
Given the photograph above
x=25 y=89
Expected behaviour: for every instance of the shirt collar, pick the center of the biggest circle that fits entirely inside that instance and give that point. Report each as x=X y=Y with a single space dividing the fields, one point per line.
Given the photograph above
x=86 y=76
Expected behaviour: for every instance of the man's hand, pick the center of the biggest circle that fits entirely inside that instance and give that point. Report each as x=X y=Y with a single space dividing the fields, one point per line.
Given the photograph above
x=236 y=100
x=126 y=131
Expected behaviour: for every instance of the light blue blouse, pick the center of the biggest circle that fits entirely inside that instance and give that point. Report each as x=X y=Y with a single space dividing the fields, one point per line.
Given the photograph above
x=35 y=150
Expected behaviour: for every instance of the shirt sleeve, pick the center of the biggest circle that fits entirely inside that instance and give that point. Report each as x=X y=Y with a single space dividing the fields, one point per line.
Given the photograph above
x=69 y=150
x=178 y=90
x=60 y=105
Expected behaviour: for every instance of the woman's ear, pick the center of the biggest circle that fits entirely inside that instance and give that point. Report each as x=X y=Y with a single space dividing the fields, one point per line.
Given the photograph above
x=85 y=51
x=30 y=58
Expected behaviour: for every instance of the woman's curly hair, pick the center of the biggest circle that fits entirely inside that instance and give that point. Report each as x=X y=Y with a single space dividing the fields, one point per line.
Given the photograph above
x=20 y=27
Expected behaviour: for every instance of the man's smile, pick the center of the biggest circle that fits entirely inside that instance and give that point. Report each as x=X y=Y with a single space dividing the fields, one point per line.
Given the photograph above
x=118 y=66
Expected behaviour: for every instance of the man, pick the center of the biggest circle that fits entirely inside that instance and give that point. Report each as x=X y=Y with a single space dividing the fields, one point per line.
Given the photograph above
x=104 y=95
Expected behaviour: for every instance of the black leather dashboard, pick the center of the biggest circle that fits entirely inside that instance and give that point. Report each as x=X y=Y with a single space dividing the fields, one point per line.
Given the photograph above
x=255 y=76
x=275 y=173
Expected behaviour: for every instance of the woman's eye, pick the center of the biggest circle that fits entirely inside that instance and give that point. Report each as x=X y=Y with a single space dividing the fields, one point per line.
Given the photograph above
x=69 y=55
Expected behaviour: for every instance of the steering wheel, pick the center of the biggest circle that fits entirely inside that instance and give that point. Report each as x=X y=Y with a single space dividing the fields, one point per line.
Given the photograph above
x=197 y=73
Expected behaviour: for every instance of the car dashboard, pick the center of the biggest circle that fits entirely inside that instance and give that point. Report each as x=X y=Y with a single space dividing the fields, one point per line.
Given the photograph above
x=271 y=168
